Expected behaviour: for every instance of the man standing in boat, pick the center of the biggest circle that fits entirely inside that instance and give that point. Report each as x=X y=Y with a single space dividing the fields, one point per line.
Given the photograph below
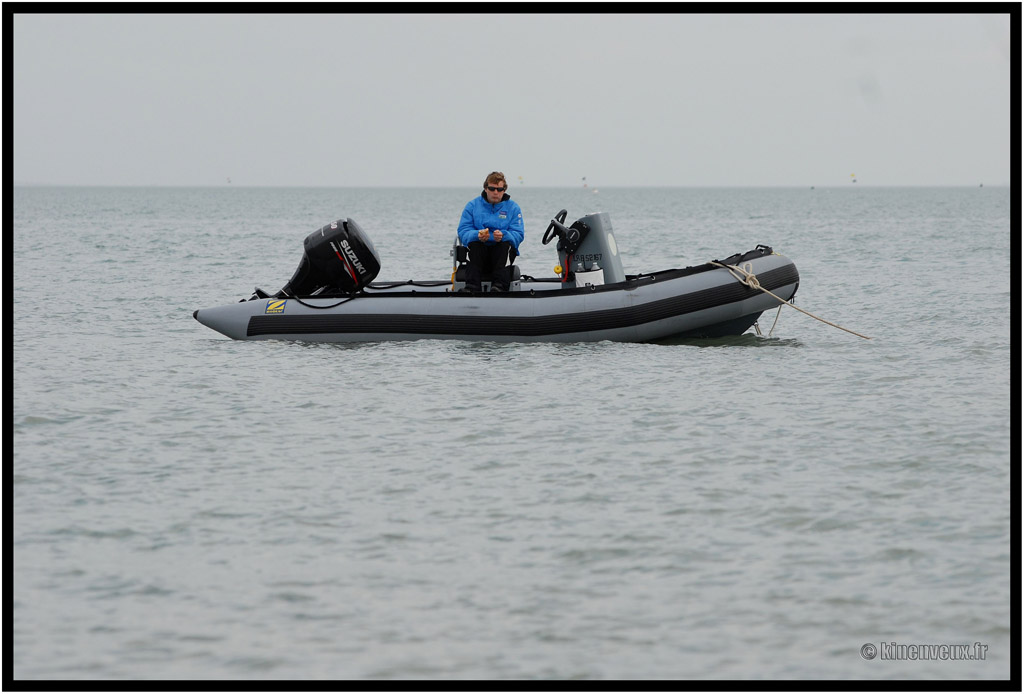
x=492 y=229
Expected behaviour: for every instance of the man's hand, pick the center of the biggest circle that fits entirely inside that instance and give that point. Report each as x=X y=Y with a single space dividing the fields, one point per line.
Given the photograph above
x=484 y=234
x=497 y=235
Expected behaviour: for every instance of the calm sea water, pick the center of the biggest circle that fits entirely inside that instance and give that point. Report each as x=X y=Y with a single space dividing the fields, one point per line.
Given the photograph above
x=187 y=506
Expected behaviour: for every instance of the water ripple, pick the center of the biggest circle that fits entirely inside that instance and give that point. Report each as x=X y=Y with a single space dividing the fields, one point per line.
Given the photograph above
x=189 y=507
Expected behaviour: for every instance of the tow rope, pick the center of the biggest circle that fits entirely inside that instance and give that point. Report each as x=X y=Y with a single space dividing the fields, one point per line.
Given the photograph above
x=745 y=275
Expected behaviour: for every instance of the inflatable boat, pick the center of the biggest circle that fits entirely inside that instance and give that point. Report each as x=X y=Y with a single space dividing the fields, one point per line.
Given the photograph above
x=332 y=296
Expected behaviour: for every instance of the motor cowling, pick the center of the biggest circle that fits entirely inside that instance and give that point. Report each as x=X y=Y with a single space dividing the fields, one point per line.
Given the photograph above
x=339 y=255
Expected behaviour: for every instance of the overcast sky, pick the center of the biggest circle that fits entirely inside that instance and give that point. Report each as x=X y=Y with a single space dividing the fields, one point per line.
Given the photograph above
x=441 y=99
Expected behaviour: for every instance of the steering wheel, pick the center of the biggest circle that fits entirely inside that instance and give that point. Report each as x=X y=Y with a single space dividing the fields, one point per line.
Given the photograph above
x=556 y=228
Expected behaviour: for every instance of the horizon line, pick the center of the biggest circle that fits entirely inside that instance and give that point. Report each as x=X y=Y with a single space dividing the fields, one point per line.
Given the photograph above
x=522 y=186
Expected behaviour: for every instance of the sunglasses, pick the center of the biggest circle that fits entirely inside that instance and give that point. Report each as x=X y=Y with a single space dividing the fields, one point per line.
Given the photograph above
x=495 y=189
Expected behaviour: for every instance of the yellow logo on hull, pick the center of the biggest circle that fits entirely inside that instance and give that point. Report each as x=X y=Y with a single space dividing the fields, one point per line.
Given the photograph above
x=276 y=305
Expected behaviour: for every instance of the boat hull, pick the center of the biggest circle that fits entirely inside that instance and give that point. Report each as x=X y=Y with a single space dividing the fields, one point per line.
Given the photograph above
x=694 y=302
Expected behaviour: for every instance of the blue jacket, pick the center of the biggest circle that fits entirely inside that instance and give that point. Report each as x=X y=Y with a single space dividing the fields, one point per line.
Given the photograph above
x=480 y=214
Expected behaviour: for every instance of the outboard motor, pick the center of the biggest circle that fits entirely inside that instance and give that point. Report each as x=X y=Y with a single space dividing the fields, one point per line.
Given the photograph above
x=587 y=251
x=337 y=256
